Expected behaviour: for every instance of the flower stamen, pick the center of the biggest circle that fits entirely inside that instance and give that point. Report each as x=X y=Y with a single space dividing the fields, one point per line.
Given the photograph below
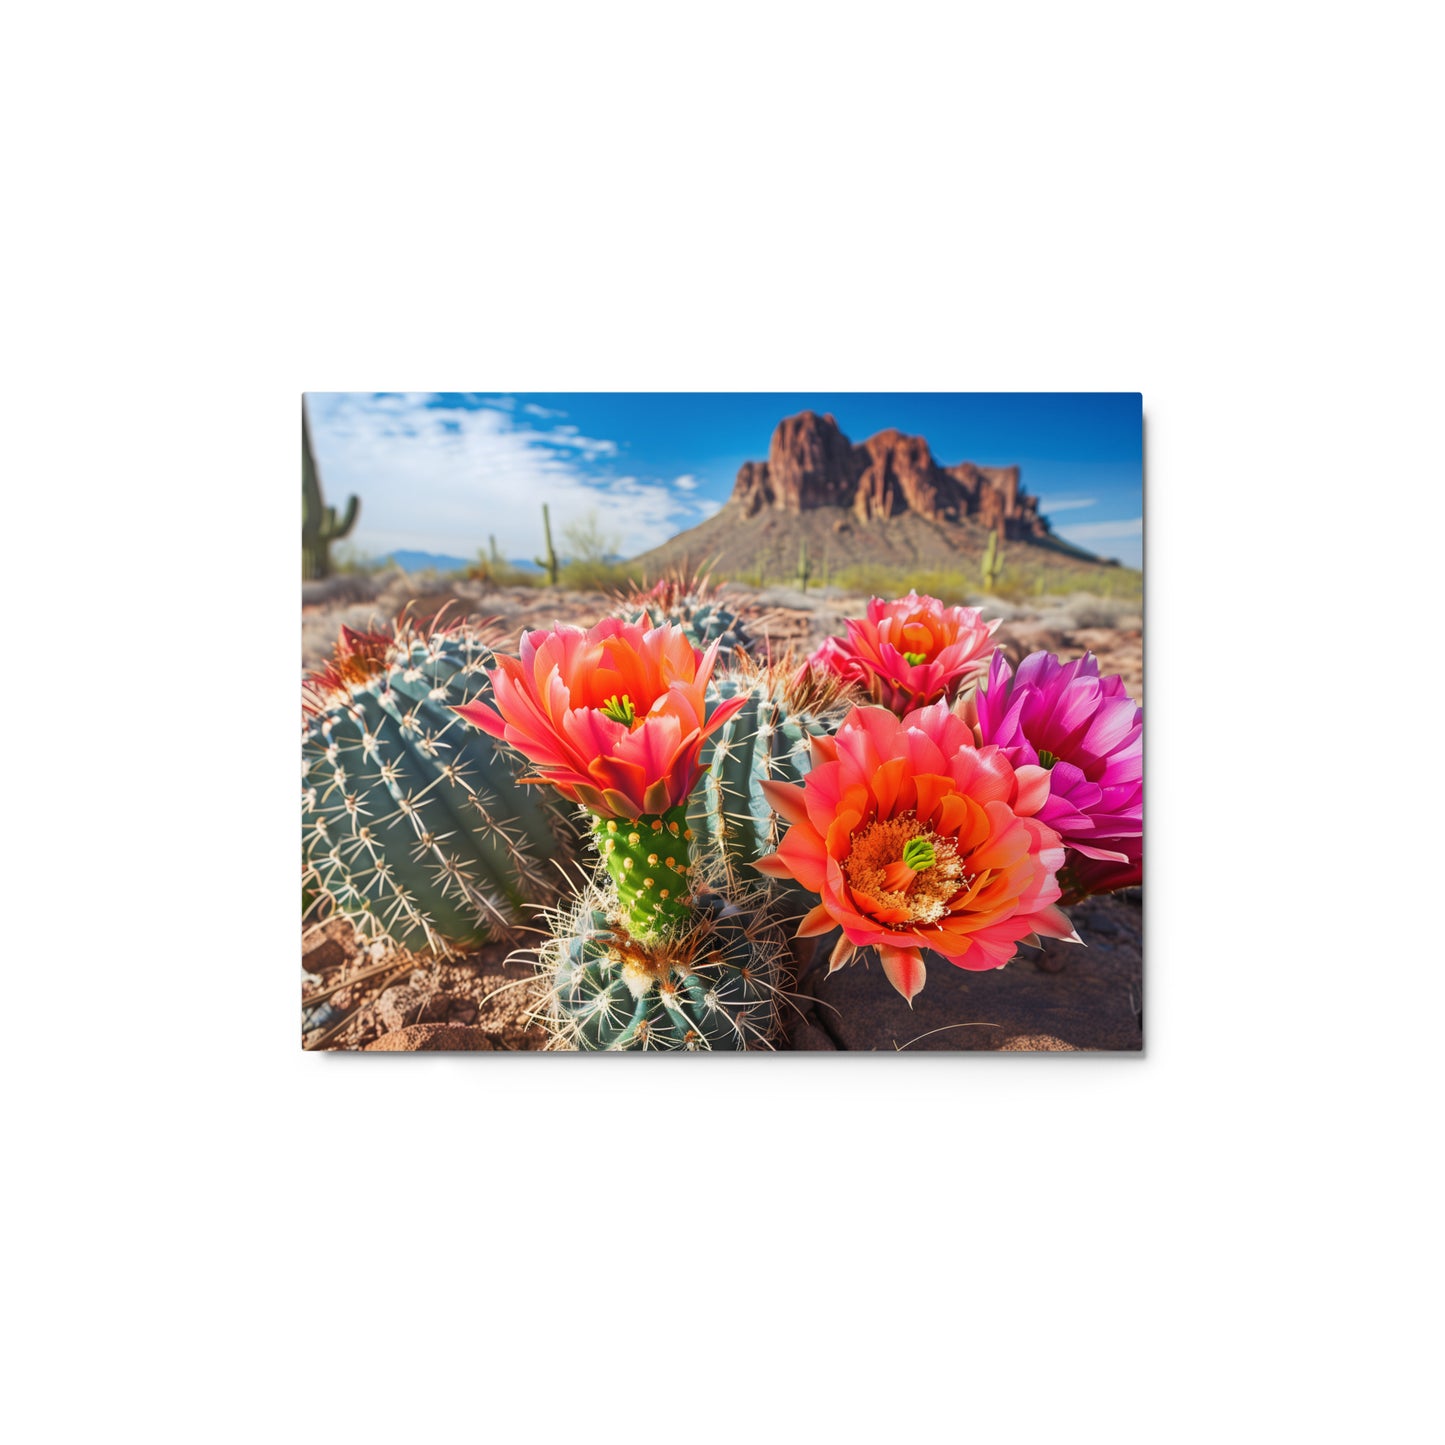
x=619 y=709
x=904 y=867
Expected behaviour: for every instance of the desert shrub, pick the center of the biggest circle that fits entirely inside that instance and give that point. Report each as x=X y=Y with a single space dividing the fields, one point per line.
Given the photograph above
x=495 y=572
x=348 y=560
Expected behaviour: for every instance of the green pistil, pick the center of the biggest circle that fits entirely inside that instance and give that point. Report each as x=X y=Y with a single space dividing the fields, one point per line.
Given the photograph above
x=918 y=854
x=620 y=709
x=1046 y=758
x=913 y=659
x=648 y=860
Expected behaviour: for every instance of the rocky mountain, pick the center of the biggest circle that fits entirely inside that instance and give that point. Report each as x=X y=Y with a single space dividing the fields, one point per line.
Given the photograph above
x=884 y=500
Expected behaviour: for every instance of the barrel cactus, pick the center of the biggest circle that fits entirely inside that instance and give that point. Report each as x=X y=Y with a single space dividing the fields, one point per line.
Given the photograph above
x=716 y=986
x=415 y=825
x=769 y=740
x=686 y=602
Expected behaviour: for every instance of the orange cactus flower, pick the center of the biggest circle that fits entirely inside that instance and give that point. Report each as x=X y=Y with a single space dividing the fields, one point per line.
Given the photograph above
x=613 y=717
x=915 y=839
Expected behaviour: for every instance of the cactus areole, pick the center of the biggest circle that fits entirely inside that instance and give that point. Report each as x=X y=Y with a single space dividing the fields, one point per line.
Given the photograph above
x=647 y=858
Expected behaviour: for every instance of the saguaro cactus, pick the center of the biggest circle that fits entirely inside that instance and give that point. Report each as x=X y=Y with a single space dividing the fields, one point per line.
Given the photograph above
x=549 y=562
x=319 y=524
x=804 y=571
x=992 y=568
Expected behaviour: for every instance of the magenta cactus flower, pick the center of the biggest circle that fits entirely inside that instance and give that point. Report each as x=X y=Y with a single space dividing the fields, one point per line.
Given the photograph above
x=1089 y=733
x=911 y=652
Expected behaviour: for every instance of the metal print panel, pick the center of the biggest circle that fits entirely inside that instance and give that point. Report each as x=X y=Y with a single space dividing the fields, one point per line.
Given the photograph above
x=726 y=722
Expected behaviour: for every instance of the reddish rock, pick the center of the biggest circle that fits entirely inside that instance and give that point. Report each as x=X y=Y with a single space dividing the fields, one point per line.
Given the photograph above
x=812 y=464
x=1063 y=999
x=433 y=1039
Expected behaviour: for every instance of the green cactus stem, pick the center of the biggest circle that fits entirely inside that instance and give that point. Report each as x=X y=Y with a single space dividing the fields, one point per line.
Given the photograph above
x=415 y=824
x=804 y=571
x=648 y=860
x=992 y=567
x=320 y=526
x=548 y=563
x=686 y=603
x=717 y=986
x=768 y=740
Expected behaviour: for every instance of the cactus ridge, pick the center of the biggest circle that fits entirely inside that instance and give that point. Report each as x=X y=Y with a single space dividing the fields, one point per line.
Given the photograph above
x=768 y=740
x=415 y=824
x=718 y=987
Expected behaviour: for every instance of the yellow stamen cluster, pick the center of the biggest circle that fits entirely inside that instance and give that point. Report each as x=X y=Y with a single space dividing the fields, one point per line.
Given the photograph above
x=926 y=898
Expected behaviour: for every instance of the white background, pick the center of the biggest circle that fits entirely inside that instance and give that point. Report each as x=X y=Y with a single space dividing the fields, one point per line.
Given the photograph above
x=1230 y=208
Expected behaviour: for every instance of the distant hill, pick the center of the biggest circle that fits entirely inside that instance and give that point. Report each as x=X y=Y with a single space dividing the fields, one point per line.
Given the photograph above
x=440 y=562
x=885 y=501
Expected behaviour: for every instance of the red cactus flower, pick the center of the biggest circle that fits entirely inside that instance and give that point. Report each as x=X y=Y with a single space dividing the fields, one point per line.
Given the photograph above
x=914 y=839
x=911 y=652
x=613 y=717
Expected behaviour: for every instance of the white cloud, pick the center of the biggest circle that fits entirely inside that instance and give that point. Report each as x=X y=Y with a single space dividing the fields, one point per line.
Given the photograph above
x=1086 y=532
x=1122 y=540
x=532 y=409
x=444 y=478
x=1049 y=505
x=685 y=484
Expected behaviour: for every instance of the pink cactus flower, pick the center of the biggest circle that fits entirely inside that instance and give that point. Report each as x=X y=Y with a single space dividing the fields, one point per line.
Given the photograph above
x=613 y=717
x=1089 y=733
x=915 y=839
x=911 y=652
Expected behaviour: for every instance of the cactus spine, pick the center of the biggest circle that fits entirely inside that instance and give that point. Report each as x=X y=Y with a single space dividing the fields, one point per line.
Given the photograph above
x=320 y=526
x=548 y=563
x=992 y=568
x=685 y=602
x=414 y=823
x=769 y=740
x=717 y=986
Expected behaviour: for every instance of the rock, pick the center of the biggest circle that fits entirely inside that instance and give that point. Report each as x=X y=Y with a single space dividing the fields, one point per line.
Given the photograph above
x=811 y=463
x=402 y=1005
x=807 y=1037
x=1093 y=1003
x=884 y=503
x=327 y=954
x=1018 y=639
x=327 y=945
x=432 y=1039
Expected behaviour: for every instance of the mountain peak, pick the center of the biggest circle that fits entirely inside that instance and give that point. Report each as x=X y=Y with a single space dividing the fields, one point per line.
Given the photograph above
x=811 y=463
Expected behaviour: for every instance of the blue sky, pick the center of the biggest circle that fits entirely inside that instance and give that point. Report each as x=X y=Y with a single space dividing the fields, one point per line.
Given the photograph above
x=440 y=471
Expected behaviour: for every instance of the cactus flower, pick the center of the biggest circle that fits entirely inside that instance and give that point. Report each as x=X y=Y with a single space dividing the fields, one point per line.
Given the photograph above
x=914 y=839
x=911 y=652
x=1089 y=733
x=613 y=717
